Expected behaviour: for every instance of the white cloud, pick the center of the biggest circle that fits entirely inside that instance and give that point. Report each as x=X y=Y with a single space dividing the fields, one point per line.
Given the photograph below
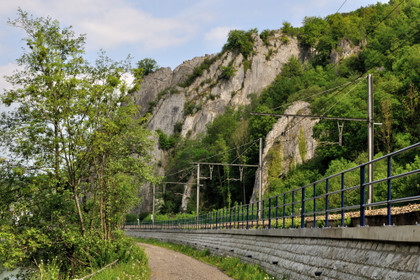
x=218 y=35
x=110 y=24
x=125 y=25
x=6 y=70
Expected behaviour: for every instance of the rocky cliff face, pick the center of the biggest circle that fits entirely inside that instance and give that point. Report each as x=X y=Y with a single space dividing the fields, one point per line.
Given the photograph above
x=191 y=108
x=288 y=144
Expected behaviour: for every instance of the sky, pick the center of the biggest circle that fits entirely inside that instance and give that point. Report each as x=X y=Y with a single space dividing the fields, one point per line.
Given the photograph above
x=169 y=31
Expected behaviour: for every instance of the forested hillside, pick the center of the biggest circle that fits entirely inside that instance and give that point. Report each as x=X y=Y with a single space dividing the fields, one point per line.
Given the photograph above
x=382 y=40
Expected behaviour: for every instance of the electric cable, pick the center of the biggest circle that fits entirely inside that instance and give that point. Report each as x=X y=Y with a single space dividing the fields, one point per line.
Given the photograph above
x=341 y=6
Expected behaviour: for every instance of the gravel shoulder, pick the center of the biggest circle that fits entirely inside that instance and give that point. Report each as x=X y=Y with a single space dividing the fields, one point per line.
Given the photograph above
x=166 y=264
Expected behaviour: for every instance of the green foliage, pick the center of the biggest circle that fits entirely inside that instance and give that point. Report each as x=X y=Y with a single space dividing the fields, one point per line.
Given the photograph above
x=134 y=268
x=165 y=142
x=131 y=218
x=389 y=47
x=198 y=71
x=293 y=68
x=284 y=39
x=148 y=65
x=265 y=36
x=247 y=65
x=269 y=54
x=191 y=107
x=288 y=29
x=227 y=72
x=49 y=271
x=79 y=157
x=240 y=41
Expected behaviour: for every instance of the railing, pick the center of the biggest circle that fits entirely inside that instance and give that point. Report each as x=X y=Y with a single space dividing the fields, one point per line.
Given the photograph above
x=333 y=198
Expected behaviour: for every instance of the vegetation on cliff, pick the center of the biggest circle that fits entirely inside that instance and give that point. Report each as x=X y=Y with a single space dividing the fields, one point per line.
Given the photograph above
x=382 y=39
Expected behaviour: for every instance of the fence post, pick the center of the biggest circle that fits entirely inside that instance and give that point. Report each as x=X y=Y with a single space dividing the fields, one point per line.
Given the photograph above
x=315 y=225
x=247 y=216
x=258 y=214
x=293 y=209
x=277 y=211
x=326 y=202
x=252 y=215
x=269 y=213
x=242 y=209
x=302 y=212
x=362 y=196
x=342 y=199
x=230 y=218
x=284 y=211
x=234 y=217
x=263 y=210
x=389 y=191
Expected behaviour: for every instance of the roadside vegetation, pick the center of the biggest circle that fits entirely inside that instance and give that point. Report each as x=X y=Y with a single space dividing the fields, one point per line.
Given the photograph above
x=231 y=266
x=76 y=157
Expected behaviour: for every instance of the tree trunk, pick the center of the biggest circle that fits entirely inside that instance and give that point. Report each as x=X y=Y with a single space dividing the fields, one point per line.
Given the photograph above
x=79 y=211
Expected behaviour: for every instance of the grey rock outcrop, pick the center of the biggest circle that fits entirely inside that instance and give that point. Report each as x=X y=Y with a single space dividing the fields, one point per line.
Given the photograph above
x=209 y=95
x=288 y=144
x=344 y=50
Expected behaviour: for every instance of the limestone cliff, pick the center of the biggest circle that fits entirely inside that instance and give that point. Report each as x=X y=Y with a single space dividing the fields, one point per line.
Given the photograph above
x=191 y=108
x=288 y=144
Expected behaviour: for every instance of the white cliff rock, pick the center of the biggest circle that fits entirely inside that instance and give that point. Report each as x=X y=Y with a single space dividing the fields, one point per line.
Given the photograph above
x=291 y=141
x=209 y=95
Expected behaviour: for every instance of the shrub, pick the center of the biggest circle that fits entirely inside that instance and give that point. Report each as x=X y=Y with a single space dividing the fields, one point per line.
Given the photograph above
x=266 y=35
x=241 y=41
x=247 y=65
x=288 y=29
x=198 y=71
x=148 y=65
x=165 y=142
x=189 y=108
x=285 y=40
x=131 y=218
x=227 y=72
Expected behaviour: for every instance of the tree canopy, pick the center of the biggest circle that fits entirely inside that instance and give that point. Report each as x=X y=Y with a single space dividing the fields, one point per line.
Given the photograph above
x=78 y=154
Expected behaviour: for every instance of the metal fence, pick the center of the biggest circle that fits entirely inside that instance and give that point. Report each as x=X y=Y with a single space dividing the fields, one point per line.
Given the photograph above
x=319 y=204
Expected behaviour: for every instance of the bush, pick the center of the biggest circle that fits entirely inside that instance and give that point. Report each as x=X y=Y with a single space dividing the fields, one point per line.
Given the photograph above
x=165 y=142
x=227 y=72
x=288 y=29
x=148 y=65
x=266 y=35
x=198 y=71
x=241 y=41
x=131 y=218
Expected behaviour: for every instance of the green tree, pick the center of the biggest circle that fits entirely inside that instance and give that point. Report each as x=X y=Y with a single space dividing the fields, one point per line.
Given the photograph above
x=148 y=65
x=77 y=150
x=241 y=41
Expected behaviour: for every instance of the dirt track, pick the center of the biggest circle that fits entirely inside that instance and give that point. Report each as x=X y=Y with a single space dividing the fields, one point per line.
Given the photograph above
x=170 y=265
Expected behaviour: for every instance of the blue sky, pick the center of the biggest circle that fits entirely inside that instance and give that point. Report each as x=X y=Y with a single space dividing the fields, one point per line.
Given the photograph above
x=168 y=31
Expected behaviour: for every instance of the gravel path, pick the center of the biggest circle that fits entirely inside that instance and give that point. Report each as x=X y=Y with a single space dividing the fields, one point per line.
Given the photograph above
x=170 y=265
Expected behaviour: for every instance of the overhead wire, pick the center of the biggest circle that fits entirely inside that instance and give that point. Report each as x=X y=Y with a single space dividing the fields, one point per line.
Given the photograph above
x=344 y=86
x=341 y=6
x=309 y=97
x=335 y=104
x=243 y=152
x=207 y=158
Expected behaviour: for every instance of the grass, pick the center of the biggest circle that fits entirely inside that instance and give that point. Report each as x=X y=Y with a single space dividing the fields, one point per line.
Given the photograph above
x=231 y=266
x=135 y=269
